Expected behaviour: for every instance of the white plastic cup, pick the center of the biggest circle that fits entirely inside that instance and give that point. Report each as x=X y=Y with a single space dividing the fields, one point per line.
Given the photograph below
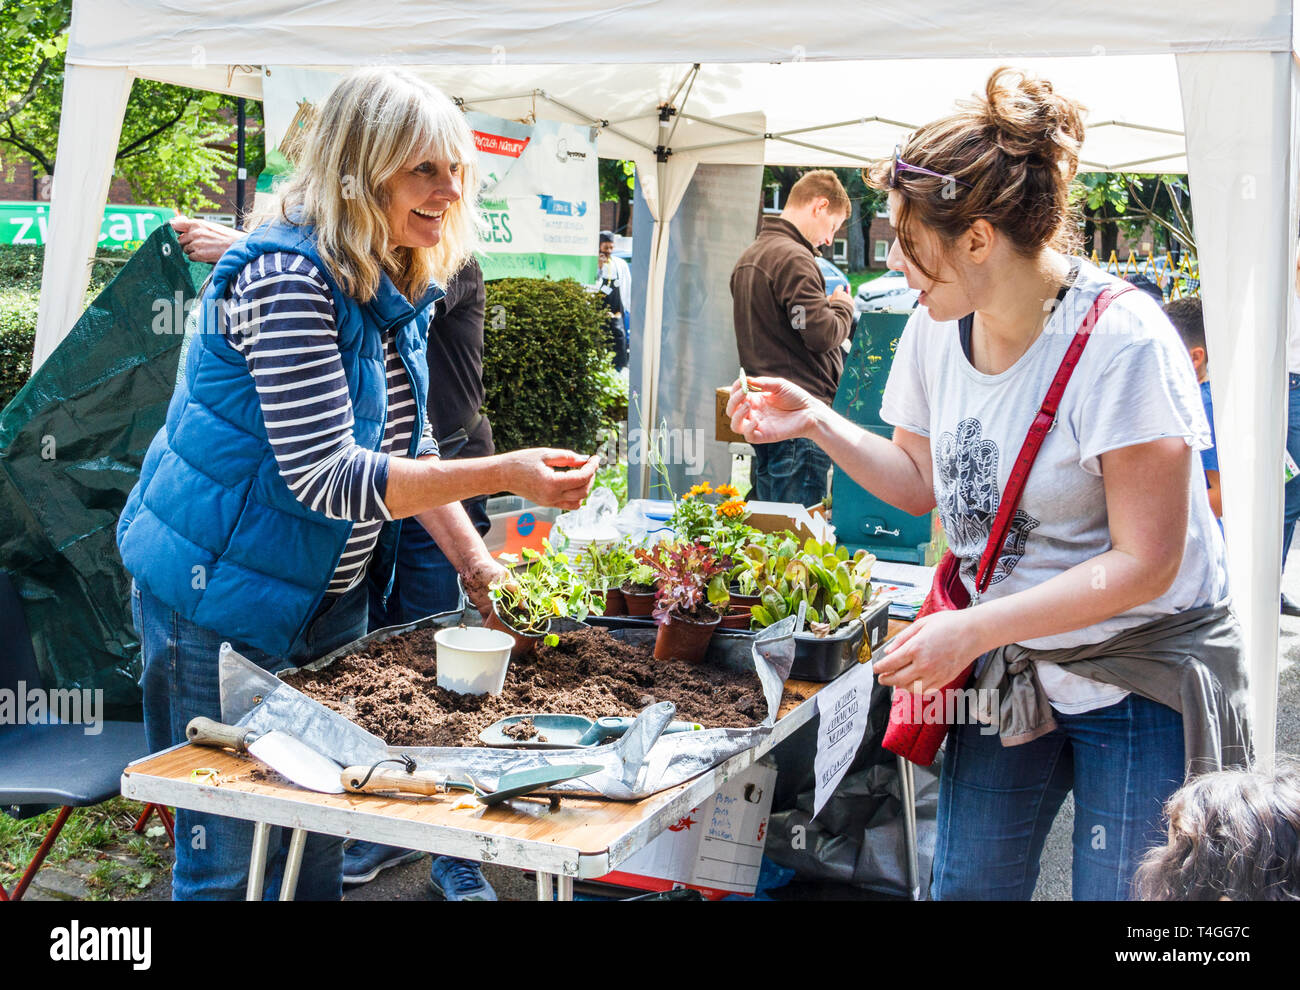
x=472 y=660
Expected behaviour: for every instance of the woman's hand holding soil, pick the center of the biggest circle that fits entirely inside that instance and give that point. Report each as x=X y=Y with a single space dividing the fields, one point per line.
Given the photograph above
x=781 y=411
x=477 y=583
x=931 y=652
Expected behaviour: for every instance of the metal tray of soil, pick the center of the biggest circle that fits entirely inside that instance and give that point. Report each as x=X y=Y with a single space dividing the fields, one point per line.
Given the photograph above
x=386 y=683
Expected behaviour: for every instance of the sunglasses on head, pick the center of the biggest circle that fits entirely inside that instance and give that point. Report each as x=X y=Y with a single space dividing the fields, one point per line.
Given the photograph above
x=902 y=166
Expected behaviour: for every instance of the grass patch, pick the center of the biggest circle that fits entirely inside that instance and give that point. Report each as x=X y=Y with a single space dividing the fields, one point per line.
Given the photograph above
x=88 y=835
x=859 y=277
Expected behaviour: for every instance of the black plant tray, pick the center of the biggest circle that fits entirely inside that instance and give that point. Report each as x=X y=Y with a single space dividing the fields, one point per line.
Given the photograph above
x=814 y=659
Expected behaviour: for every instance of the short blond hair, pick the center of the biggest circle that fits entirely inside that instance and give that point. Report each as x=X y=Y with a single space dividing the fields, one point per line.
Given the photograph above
x=820 y=183
x=371 y=124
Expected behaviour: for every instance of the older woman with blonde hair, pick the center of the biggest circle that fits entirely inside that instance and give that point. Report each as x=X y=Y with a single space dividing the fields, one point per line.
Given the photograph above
x=298 y=434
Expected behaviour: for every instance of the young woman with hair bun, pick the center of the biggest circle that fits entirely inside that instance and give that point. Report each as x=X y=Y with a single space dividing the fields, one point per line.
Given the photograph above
x=1104 y=636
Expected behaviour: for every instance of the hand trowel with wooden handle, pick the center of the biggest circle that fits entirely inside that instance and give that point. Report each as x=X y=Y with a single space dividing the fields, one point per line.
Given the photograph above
x=280 y=751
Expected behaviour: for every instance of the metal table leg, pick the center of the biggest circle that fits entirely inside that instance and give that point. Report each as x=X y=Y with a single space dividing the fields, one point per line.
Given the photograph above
x=564 y=886
x=257 y=862
x=908 y=783
x=545 y=891
x=293 y=864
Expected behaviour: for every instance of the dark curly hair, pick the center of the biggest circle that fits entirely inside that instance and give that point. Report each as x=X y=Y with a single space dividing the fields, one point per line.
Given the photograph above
x=1014 y=150
x=1233 y=834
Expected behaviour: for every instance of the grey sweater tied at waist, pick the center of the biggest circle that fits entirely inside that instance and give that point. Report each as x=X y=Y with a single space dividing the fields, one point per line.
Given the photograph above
x=1192 y=662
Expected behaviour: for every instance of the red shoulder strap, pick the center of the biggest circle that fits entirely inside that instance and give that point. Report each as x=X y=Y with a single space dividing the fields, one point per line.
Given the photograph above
x=1043 y=423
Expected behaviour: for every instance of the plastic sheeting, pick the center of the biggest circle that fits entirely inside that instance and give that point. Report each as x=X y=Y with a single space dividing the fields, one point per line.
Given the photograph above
x=858 y=837
x=71 y=445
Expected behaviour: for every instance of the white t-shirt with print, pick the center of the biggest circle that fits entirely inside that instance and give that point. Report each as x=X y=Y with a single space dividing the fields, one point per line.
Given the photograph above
x=1134 y=384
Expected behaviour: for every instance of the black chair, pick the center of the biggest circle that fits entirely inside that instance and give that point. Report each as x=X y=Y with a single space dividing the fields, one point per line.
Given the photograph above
x=46 y=765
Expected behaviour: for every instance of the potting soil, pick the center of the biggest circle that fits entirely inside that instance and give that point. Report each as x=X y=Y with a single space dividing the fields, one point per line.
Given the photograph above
x=390 y=688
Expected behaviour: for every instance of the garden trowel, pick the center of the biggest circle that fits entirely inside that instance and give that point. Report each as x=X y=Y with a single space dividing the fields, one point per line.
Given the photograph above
x=283 y=753
x=550 y=731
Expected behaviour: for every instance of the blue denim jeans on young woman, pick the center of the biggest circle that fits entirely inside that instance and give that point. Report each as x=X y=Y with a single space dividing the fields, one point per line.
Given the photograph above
x=997 y=803
x=180 y=681
x=1291 y=492
x=789 y=471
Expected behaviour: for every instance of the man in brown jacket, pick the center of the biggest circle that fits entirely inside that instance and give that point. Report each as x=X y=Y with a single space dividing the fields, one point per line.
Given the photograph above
x=787 y=327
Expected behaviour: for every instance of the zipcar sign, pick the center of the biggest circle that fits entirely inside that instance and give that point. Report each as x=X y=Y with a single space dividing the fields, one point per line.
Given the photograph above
x=124 y=227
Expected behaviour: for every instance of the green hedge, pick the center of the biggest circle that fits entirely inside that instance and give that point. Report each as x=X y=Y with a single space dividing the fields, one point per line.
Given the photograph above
x=543 y=345
x=20 y=287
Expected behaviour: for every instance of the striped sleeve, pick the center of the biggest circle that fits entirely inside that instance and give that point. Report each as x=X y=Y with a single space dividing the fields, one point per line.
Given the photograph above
x=281 y=319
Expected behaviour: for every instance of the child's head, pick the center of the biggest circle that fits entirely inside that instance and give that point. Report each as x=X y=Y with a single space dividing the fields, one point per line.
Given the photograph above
x=1233 y=834
x=1185 y=315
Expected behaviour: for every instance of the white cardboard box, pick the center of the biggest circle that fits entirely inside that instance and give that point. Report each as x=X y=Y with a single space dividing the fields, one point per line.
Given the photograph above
x=716 y=849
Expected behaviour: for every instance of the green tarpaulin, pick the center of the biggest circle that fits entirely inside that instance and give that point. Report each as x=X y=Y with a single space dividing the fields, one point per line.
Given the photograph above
x=71 y=445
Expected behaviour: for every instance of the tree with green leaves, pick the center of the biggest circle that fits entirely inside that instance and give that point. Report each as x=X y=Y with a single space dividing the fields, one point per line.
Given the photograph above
x=617 y=182
x=1120 y=202
x=176 y=143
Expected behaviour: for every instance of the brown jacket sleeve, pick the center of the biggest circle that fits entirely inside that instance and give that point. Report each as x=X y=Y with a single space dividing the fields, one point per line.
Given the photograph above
x=800 y=289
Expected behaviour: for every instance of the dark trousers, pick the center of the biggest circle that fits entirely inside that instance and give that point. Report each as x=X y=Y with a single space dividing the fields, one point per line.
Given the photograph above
x=425 y=582
x=789 y=471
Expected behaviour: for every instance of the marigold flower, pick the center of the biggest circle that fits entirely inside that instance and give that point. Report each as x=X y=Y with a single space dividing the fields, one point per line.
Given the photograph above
x=732 y=509
x=703 y=489
x=727 y=491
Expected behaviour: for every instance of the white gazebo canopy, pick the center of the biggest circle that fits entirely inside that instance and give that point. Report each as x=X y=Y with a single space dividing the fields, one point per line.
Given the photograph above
x=1191 y=86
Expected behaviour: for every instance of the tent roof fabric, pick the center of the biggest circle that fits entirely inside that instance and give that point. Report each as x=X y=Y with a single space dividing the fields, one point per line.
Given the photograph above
x=486 y=32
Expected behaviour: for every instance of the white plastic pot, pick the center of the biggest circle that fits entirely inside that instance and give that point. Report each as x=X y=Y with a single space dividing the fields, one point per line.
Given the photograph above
x=472 y=660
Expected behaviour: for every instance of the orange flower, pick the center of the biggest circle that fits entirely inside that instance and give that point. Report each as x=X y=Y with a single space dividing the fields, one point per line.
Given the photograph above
x=727 y=491
x=732 y=509
x=703 y=489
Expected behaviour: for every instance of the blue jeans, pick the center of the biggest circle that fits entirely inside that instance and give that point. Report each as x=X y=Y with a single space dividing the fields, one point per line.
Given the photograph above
x=789 y=471
x=1291 y=492
x=181 y=681
x=997 y=803
x=425 y=583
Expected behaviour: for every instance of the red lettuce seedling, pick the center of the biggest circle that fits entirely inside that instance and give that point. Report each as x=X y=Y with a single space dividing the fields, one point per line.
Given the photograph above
x=684 y=571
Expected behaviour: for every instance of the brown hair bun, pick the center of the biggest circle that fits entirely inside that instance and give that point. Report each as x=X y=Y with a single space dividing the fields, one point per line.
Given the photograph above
x=1007 y=156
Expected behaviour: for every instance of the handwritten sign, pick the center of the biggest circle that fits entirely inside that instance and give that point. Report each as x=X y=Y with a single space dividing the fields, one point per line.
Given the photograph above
x=842 y=709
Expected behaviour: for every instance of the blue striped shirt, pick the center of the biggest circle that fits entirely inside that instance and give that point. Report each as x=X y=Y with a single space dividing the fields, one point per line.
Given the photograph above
x=280 y=317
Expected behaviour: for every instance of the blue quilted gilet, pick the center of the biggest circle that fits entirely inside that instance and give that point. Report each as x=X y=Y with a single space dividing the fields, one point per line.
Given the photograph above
x=211 y=529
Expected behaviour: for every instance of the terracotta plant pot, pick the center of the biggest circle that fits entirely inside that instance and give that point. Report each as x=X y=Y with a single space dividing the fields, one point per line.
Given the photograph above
x=682 y=639
x=639 y=603
x=738 y=599
x=524 y=643
x=615 y=603
x=737 y=617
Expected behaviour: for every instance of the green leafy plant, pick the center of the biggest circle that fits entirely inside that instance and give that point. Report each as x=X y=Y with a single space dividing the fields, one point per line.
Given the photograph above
x=685 y=571
x=832 y=586
x=541 y=587
x=606 y=567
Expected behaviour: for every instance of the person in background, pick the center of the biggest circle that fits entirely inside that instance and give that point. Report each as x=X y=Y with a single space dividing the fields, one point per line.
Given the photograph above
x=614 y=282
x=425 y=582
x=1233 y=836
x=1186 y=316
x=786 y=326
x=1291 y=493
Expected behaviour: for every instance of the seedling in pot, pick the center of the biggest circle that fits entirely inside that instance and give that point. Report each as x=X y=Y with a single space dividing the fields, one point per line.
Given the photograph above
x=543 y=587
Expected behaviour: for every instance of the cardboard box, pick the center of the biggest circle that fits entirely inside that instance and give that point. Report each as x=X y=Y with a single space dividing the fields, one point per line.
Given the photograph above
x=716 y=848
x=722 y=431
x=773 y=517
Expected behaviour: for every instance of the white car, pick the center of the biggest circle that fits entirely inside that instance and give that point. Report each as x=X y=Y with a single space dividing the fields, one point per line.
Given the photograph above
x=887 y=291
